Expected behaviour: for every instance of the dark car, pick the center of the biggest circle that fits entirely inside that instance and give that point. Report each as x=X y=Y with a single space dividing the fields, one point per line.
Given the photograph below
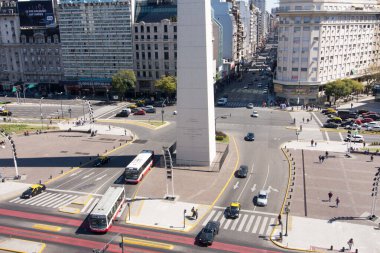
x=207 y=234
x=123 y=114
x=101 y=161
x=233 y=210
x=373 y=116
x=330 y=125
x=33 y=191
x=347 y=123
x=242 y=171
x=249 y=137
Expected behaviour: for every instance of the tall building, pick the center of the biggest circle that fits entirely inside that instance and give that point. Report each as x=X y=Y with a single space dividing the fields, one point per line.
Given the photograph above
x=262 y=21
x=96 y=41
x=323 y=41
x=29 y=45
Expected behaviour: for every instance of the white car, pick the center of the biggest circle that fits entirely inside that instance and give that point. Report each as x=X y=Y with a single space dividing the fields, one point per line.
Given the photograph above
x=255 y=114
x=375 y=128
x=355 y=138
x=250 y=106
x=262 y=198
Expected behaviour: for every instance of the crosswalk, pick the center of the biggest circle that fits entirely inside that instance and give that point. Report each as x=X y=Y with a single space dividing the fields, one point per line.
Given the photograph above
x=254 y=223
x=55 y=200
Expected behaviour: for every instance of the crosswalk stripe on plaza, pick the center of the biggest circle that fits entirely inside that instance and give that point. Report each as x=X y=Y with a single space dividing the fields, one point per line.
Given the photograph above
x=248 y=223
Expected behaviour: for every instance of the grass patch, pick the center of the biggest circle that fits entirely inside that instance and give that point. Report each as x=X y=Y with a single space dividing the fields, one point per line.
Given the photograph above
x=4 y=103
x=225 y=139
x=20 y=128
x=154 y=122
x=371 y=149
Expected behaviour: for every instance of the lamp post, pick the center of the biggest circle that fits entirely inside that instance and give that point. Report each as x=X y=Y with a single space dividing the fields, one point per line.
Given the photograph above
x=222 y=117
x=60 y=95
x=41 y=111
x=162 y=110
x=184 y=218
x=287 y=210
x=375 y=188
x=83 y=102
x=297 y=134
x=13 y=146
x=298 y=92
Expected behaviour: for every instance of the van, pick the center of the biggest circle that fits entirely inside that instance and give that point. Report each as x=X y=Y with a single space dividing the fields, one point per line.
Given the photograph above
x=222 y=101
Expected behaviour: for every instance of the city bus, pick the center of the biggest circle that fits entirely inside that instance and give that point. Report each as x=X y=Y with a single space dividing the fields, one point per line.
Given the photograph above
x=102 y=216
x=136 y=169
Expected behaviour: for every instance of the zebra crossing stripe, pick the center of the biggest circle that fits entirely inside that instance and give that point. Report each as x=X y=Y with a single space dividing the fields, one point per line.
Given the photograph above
x=227 y=223
x=58 y=197
x=234 y=224
x=64 y=202
x=27 y=201
x=222 y=220
x=87 y=205
x=217 y=216
x=46 y=196
x=208 y=217
x=249 y=223
x=14 y=200
x=92 y=206
x=269 y=226
x=58 y=200
x=47 y=200
x=242 y=223
x=263 y=226
x=256 y=226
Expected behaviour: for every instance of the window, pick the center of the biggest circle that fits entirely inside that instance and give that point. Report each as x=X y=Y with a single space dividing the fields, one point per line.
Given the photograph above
x=137 y=46
x=148 y=29
x=297 y=29
x=142 y=29
x=136 y=29
x=165 y=28
x=304 y=69
x=166 y=55
x=175 y=28
x=155 y=29
x=156 y=46
x=155 y=55
x=294 y=69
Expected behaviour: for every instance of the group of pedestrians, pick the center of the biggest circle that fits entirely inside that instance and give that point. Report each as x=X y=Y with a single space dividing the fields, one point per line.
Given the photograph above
x=322 y=158
x=194 y=213
x=337 y=200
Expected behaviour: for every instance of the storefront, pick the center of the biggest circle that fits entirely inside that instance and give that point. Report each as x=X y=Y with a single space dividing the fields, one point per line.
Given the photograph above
x=297 y=94
x=89 y=87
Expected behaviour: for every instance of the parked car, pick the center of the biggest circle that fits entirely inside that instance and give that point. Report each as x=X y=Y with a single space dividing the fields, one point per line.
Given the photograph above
x=362 y=111
x=33 y=191
x=367 y=120
x=355 y=138
x=346 y=123
x=255 y=114
x=139 y=112
x=353 y=127
x=335 y=120
x=242 y=171
x=375 y=128
x=250 y=106
x=329 y=111
x=233 y=210
x=330 y=125
x=5 y=113
x=249 y=137
x=373 y=116
x=124 y=113
x=149 y=109
x=208 y=233
x=262 y=198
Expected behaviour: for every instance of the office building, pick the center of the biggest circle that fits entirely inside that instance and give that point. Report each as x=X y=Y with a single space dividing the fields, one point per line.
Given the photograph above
x=323 y=41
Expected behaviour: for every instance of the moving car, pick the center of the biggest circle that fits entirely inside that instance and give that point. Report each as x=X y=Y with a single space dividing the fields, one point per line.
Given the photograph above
x=101 y=161
x=249 y=137
x=208 y=233
x=355 y=138
x=250 y=106
x=255 y=114
x=233 y=210
x=337 y=120
x=329 y=111
x=5 y=113
x=262 y=198
x=149 y=109
x=242 y=171
x=124 y=113
x=222 y=101
x=33 y=191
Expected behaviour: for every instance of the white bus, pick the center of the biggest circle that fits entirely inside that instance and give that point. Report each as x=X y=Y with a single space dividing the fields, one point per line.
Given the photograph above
x=107 y=209
x=136 y=169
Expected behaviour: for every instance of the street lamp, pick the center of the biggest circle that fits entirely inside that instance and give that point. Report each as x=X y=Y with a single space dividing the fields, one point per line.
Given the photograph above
x=41 y=111
x=162 y=110
x=287 y=210
x=13 y=146
x=297 y=134
x=60 y=95
x=222 y=117
x=83 y=102
x=184 y=218
x=375 y=190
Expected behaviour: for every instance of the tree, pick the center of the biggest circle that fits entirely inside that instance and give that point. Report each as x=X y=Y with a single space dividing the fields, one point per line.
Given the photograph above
x=374 y=77
x=356 y=87
x=167 y=84
x=122 y=81
x=337 y=89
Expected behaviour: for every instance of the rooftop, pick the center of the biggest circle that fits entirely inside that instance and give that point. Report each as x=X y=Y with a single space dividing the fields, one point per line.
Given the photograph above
x=154 y=13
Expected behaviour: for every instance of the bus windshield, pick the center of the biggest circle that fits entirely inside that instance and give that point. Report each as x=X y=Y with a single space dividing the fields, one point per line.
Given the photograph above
x=99 y=222
x=131 y=174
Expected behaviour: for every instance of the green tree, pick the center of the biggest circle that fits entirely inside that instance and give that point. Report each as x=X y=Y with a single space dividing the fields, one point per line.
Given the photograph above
x=337 y=89
x=374 y=77
x=122 y=81
x=167 y=84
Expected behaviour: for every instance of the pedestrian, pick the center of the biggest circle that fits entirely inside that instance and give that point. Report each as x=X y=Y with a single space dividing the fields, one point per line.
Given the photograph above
x=125 y=131
x=301 y=128
x=337 y=201
x=327 y=154
x=323 y=158
x=192 y=212
x=294 y=120
x=312 y=142
x=351 y=108
x=350 y=243
x=363 y=144
x=320 y=158
x=196 y=214
x=307 y=120
x=279 y=219
x=330 y=196
x=315 y=143
x=311 y=117
x=109 y=127
x=371 y=158
x=303 y=120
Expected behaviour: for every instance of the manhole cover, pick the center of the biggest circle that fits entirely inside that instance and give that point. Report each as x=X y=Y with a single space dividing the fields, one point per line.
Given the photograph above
x=63 y=151
x=140 y=141
x=106 y=139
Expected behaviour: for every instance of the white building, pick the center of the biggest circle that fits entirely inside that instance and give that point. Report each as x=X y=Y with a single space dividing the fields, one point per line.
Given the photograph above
x=96 y=40
x=322 y=41
x=262 y=22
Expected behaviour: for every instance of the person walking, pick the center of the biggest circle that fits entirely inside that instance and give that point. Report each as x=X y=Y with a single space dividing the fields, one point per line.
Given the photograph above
x=327 y=154
x=337 y=201
x=315 y=143
x=279 y=219
x=330 y=196
x=196 y=214
x=371 y=158
x=312 y=142
x=320 y=159
x=350 y=243
x=323 y=158
x=303 y=120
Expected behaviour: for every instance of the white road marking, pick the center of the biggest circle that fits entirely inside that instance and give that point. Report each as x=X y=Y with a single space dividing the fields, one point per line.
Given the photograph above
x=270 y=188
x=16 y=200
x=89 y=209
x=245 y=217
x=327 y=136
x=263 y=226
x=217 y=216
x=45 y=199
x=234 y=224
x=222 y=220
x=341 y=136
x=227 y=224
x=208 y=217
x=266 y=179
x=75 y=173
x=250 y=211
x=87 y=205
x=317 y=119
x=74 y=192
x=25 y=201
x=253 y=188
x=106 y=182
x=64 y=202
x=88 y=175
x=271 y=222
x=236 y=185
x=57 y=200
x=256 y=226
x=249 y=224
x=100 y=178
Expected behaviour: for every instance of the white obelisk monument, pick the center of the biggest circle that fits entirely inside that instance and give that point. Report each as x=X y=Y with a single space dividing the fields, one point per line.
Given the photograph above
x=195 y=91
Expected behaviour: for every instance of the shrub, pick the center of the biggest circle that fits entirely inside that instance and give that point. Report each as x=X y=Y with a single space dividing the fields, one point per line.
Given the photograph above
x=219 y=133
x=219 y=138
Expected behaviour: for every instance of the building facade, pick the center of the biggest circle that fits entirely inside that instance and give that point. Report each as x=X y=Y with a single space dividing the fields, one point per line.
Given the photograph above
x=323 y=41
x=96 y=42
x=30 y=47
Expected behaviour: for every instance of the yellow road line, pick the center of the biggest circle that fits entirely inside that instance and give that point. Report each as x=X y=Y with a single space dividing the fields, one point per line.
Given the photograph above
x=47 y=227
x=146 y=243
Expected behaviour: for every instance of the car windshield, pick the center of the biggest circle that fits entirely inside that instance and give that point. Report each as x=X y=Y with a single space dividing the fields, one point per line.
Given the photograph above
x=262 y=196
x=29 y=191
x=207 y=230
x=234 y=208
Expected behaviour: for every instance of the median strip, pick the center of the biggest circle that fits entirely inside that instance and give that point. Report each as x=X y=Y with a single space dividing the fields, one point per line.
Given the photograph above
x=47 y=227
x=146 y=243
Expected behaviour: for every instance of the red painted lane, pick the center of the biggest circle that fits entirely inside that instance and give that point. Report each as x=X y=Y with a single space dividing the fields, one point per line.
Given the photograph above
x=133 y=231
x=45 y=237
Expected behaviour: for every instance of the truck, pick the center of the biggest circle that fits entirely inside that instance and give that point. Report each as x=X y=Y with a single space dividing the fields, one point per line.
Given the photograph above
x=222 y=101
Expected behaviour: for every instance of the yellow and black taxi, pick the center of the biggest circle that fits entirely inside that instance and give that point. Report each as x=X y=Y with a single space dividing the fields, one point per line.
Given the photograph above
x=101 y=161
x=233 y=210
x=5 y=113
x=33 y=191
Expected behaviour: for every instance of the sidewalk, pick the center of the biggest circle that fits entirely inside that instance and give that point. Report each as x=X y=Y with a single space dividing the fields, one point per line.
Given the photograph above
x=18 y=245
x=101 y=129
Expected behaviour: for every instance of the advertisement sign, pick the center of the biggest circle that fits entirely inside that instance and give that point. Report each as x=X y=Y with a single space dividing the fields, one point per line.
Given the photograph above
x=36 y=13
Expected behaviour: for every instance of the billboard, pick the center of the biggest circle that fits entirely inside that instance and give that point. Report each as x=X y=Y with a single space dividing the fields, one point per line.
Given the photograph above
x=36 y=13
